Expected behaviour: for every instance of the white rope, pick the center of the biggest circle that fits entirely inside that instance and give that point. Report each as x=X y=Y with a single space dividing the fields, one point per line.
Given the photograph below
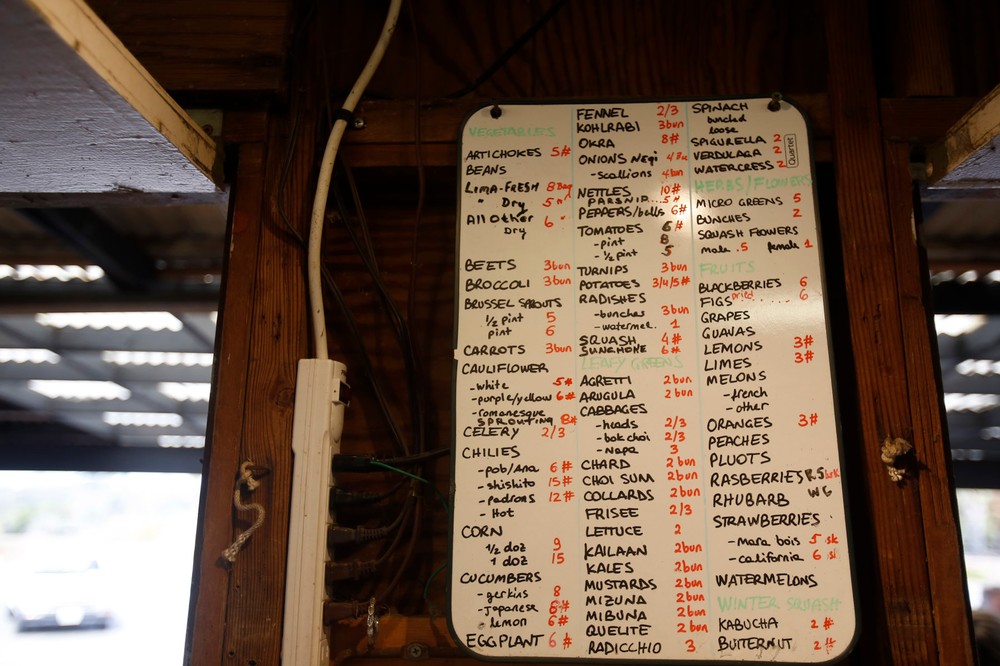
x=246 y=478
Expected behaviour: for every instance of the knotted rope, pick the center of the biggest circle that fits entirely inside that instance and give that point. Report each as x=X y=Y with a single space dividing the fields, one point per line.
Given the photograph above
x=246 y=479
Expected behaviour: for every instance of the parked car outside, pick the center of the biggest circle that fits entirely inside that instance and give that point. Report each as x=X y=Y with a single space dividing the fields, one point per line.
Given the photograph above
x=63 y=595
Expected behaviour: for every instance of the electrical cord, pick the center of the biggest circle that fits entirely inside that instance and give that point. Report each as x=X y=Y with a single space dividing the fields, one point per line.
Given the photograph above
x=298 y=46
x=339 y=571
x=416 y=457
x=341 y=301
x=339 y=535
x=318 y=217
x=366 y=364
x=509 y=53
x=427 y=587
x=342 y=610
x=367 y=463
x=356 y=334
x=366 y=252
x=338 y=610
x=420 y=415
x=407 y=555
x=412 y=513
x=444 y=500
x=341 y=497
x=401 y=326
x=363 y=568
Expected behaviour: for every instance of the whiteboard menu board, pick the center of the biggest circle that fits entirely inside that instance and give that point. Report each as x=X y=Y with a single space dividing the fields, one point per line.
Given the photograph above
x=647 y=461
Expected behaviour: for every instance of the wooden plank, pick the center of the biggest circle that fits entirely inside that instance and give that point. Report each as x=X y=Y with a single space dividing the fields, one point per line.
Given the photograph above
x=929 y=430
x=94 y=42
x=589 y=48
x=39 y=453
x=414 y=637
x=388 y=137
x=391 y=121
x=223 y=46
x=906 y=616
x=277 y=325
x=919 y=48
x=376 y=155
x=240 y=127
x=967 y=155
x=975 y=48
x=210 y=580
x=921 y=121
x=84 y=122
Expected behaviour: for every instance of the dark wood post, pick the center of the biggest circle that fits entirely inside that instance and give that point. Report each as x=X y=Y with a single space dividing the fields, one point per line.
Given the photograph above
x=915 y=535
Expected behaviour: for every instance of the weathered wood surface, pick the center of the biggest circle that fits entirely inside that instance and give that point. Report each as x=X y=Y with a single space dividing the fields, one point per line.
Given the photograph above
x=388 y=138
x=590 y=48
x=934 y=477
x=966 y=158
x=84 y=121
x=916 y=624
x=972 y=29
x=921 y=121
x=238 y=608
x=220 y=46
x=746 y=48
x=919 y=52
x=210 y=584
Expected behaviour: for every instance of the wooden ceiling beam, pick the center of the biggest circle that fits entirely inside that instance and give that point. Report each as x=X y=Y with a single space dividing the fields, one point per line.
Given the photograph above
x=967 y=157
x=217 y=48
x=386 y=135
x=124 y=262
x=84 y=121
x=39 y=454
x=16 y=300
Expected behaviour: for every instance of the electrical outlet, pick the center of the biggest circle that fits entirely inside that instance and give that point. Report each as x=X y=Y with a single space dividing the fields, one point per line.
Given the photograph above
x=316 y=431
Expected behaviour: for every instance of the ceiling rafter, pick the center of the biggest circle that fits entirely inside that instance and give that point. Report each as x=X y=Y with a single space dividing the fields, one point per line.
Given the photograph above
x=124 y=262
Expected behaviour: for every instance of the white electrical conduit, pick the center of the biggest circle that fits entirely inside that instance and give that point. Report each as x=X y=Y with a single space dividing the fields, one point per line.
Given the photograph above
x=317 y=424
x=314 y=266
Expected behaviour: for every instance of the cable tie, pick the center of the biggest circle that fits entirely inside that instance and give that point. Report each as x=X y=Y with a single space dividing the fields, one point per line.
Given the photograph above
x=343 y=114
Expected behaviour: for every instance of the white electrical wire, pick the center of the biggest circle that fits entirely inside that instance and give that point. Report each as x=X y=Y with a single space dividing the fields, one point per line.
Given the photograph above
x=314 y=265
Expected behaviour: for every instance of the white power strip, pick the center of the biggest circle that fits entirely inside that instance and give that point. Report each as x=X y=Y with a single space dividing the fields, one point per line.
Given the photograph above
x=316 y=430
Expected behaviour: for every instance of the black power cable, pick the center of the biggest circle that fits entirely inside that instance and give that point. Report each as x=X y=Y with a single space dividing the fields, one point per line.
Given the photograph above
x=509 y=53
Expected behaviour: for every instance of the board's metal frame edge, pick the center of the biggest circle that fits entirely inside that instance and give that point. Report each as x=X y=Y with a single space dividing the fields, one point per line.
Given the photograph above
x=454 y=382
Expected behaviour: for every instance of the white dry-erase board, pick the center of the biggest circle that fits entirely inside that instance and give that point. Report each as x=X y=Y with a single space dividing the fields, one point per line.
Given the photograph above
x=647 y=461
